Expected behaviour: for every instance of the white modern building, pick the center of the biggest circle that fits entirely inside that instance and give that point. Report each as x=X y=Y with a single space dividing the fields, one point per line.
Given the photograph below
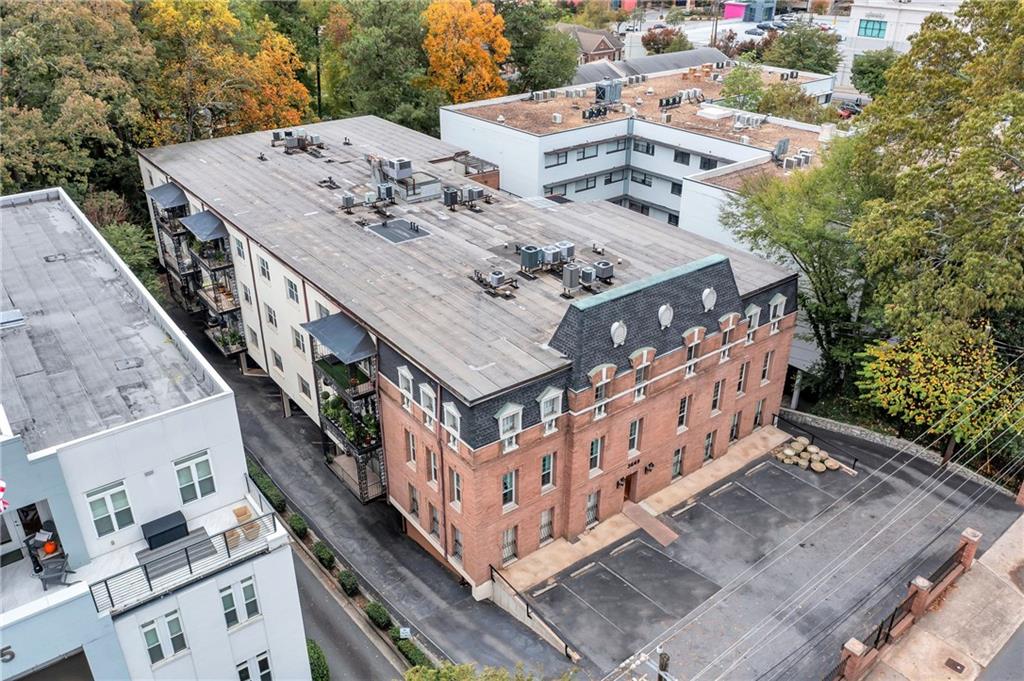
x=878 y=24
x=635 y=141
x=134 y=545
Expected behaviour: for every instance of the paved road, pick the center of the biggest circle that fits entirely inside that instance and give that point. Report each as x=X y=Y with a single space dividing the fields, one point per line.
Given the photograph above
x=350 y=654
x=418 y=589
x=1007 y=664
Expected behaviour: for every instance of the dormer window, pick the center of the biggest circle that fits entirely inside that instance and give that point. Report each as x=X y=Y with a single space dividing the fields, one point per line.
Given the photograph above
x=753 y=317
x=642 y=373
x=550 y=407
x=510 y=423
x=429 y=404
x=726 y=340
x=600 y=399
x=452 y=424
x=692 y=355
x=777 y=307
x=405 y=387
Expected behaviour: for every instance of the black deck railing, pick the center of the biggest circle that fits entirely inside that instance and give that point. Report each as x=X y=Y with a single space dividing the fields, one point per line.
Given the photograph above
x=948 y=566
x=836 y=672
x=175 y=569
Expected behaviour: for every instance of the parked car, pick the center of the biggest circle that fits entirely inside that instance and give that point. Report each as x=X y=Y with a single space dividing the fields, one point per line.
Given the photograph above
x=849 y=109
x=788 y=18
x=658 y=25
x=766 y=26
x=754 y=31
x=780 y=26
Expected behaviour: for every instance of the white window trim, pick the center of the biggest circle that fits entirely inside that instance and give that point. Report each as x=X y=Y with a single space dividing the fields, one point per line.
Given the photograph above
x=547 y=487
x=105 y=492
x=298 y=341
x=252 y=665
x=405 y=384
x=300 y=379
x=455 y=491
x=510 y=437
x=163 y=633
x=264 y=267
x=776 y=305
x=596 y=470
x=634 y=447
x=550 y=394
x=753 y=316
x=289 y=285
x=432 y=468
x=427 y=397
x=507 y=506
x=190 y=462
x=452 y=424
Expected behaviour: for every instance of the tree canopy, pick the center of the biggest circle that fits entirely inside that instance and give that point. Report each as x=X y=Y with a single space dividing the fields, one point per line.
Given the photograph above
x=804 y=48
x=662 y=40
x=868 y=71
x=552 y=63
x=465 y=44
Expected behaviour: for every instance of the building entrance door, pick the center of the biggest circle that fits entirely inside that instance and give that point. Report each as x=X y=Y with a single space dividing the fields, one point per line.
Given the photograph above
x=629 y=492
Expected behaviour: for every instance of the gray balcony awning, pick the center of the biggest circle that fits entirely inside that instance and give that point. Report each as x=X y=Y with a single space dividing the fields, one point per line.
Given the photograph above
x=168 y=195
x=205 y=226
x=343 y=337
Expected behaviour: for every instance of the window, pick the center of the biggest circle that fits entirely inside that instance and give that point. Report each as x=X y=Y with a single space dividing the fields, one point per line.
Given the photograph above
x=641 y=374
x=673 y=219
x=163 y=636
x=550 y=408
x=644 y=147
x=641 y=208
x=677 y=188
x=709 y=446
x=596 y=449
x=405 y=387
x=271 y=315
x=240 y=248
x=716 y=397
x=227 y=601
x=428 y=402
x=778 y=306
x=452 y=423
x=454 y=487
x=547 y=525
x=291 y=289
x=586 y=152
x=257 y=669
x=726 y=340
x=753 y=316
x=304 y=387
x=298 y=340
x=264 y=268
x=767 y=366
x=600 y=395
x=681 y=157
x=692 y=355
x=741 y=385
x=195 y=477
x=557 y=190
x=547 y=471
x=508 y=488
x=510 y=422
x=414 y=502
x=275 y=357
x=684 y=413
x=509 y=544
x=734 y=427
x=246 y=295
x=677 y=463
x=110 y=508
x=593 y=502
x=410 y=447
x=245 y=591
x=617 y=145
x=321 y=311
x=708 y=163
x=586 y=183
x=870 y=28
x=432 y=466
x=615 y=176
x=435 y=522
x=641 y=178
x=252 y=606
x=636 y=428
x=254 y=340
x=557 y=159
x=759 y=414
x=456 y=543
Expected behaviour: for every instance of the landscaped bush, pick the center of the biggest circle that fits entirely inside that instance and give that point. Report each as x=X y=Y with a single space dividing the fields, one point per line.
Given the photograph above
x=324 y=554
x=318 y=669
x=377 y=614
x=409 y=650
x=348 y=583
x=298 y=525
x=267 y=486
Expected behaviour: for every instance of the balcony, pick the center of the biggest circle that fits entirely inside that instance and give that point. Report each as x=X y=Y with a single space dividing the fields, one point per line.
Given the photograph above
x=354 y=433
x=170 y=224
x=347 y=379
x=210 y=256
x=228 y=340
x=218 y=298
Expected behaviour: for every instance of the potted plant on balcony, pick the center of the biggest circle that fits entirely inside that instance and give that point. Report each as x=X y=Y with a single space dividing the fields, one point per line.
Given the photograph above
x=370 y=423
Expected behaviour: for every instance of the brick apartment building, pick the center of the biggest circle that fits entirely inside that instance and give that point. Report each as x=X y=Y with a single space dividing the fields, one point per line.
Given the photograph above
x=507 y=372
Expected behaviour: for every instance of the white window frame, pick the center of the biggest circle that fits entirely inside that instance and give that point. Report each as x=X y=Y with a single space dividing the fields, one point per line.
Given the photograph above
x=692 y=357
x=456 y=543
x=510 y=424
x=677 y=463
x=709 y=446
x=511 y=476
x=683 y=415
x=240 y=248
x=246 y=294
x=601 y=399
x=641 y=375
x=766 y=366
x=433 y=521
x=276 y=360
x=414 y=502
x=636 y=431
x=405 y=384
x=191 y=463
x=251 y=668
x=428 y=403
x=759 y=414
x=106 y=494
x=716 y=398
x=550 y=408
x=410 y=448
x=321 y=311
x=455 y=488
x=270 y=314
x=432 y=466
x=753 y=318
x=298 y=341
x=547 y=468
x=264 y=267
x=305 y=389
x=452 y=424
x=741 y=384
x=777 y=309
x=254 y=337
x=734 y=426
x=547 y=521
x=726 y=349
x=291 y=289
x=594 y=502
x=165 y=639
x=599 y=442
x=229 y=607
x=241 y=599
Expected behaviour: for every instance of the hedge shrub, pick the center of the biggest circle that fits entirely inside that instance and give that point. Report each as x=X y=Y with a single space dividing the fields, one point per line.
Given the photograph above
x=378 y=615
x=298 y=525
x=318 y=669
x=410 y=651
x=324 y=554
x=348 y=583
x=263 y=482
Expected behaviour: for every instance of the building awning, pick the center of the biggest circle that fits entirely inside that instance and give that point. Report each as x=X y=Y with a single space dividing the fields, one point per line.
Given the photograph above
x=168 y=195
x=343 y=337
x=205 y=226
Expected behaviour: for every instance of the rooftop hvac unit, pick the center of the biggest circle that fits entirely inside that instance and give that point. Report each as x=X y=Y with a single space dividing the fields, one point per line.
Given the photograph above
x=581 y=92
x=530 y=257
x=794 y=74
x=385 y=191
x=291 y=142
x=650 y=92
x=587 y=275
x=608 y=91
x=720 y=65
x=788 y=164
x=369 y=198
x=552 y=254
x=473 y=193
x=450 y=196
x=556 y=118
x=604 y=269
x=666 y=117
x=348 y=200
x=643 y=77
x=567 y=249
x=784 y=76
x=571 y=276
x=398 y=168
x=495 y=278
x=314 y=139
x=289 y=133
x=278 y=135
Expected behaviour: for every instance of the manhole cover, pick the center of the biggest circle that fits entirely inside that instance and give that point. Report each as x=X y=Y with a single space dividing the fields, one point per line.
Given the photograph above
x=954 y=665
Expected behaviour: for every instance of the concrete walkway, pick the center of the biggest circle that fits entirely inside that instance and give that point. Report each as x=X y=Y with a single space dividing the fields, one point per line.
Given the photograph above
x=982 y=613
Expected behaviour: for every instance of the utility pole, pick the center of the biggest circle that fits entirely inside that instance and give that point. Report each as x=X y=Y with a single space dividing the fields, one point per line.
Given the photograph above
x=714 y=23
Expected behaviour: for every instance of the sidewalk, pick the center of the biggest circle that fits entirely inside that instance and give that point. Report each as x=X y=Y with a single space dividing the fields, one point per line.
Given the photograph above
x=970 y=625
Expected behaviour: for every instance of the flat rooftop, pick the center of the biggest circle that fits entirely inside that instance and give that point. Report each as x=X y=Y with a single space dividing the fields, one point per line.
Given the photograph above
x=91 y=353
x=418 y=294
x=529 y=115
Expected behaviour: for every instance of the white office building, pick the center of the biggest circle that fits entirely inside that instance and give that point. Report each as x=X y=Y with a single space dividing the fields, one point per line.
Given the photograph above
x=134 y=545
x=636 y=141
x=878 y=24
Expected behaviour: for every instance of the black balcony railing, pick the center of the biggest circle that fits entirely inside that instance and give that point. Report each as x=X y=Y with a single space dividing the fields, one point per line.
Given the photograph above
x=347 y=379
x=351 y=433
x=177 y=568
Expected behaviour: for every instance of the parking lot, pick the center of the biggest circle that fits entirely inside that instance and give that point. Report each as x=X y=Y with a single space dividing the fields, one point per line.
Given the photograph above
x=760 y=557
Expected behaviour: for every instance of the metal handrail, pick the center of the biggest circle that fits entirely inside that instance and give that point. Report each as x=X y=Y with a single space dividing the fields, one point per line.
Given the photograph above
x=495 y=571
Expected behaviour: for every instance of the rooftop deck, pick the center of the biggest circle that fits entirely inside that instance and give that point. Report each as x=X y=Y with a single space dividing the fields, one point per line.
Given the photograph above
x=93 y=352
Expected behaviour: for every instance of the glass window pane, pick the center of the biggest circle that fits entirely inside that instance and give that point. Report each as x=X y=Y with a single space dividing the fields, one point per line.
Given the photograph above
x=104 y=525
x=184 y=476
x=124 y=518
x=98 y=507
x=188 y=493
x=243 y=672
x=206 y=486
x=119 y=499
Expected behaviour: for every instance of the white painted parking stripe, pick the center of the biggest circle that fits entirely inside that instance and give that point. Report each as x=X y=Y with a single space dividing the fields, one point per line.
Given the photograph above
x=727 y=520
x=794 y=476
x=590 y=607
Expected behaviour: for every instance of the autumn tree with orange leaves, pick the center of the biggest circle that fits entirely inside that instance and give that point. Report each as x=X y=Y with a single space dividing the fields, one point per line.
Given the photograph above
x=465 y=43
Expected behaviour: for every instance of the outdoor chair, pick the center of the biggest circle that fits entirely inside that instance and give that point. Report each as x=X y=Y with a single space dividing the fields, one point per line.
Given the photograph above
x=55 y=572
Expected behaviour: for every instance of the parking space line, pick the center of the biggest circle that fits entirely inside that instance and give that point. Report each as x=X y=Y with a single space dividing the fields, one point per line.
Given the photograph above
x=769 y=503
x=727 y=520
x=756 y=469
x=793 y=475
x=582 y=569
x=590 y=607
x=680 y=563
x=619 y=549
x=682 y=510
x=716 y=492
x=639 y=592
x=540 y=592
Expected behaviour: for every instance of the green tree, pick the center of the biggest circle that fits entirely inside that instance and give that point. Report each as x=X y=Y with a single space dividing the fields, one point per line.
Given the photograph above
x=743 y=87
x=805 y=48
x=318 y=669
x=526 y=24
x=676 y=16
x=868 y=72
x=662 y=40
x=596 y=14
x=136 y=247
x=945 y=243
x=787 y=100
x=552 y=63
x=469 y=672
